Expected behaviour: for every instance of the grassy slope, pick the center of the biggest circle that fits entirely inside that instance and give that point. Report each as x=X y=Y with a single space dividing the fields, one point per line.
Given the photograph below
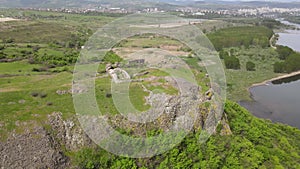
x=16 y=89
x=37 y=28
x=45 y=27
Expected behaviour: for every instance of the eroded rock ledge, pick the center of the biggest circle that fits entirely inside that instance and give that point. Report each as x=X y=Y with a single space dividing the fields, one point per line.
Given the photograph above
x=32 y=149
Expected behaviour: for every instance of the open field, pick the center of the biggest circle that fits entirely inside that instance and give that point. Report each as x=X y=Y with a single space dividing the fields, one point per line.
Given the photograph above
x=31 y=98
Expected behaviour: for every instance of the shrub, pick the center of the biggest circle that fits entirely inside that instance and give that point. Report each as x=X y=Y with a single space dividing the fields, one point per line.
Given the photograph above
x=250 y=66
x=108 y=95
x=291 y=64
x=42 y=69
x=34 y=94
x=35 y=69
x=43 y=95
x=9 y=40
x=2 y=47
x=2 y=55
x=284 y=52
x=111 y=57
x=279 y=67
x=223 y=54
x=232 y=62
x=49 y=104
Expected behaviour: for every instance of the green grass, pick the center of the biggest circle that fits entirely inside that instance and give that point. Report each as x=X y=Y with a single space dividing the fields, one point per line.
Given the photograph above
x=35 y=32
x=18 y=88
x=105 y=104
x=137 y=97
x=146 y=41
x=163 y=88
x=69 y=19
x=17 y=68
x=238 y=81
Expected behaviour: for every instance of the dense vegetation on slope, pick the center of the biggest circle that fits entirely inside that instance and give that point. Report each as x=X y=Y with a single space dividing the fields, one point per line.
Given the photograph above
x=255 y=143
x=291 y=60
x=241 y=36
x=48 y=38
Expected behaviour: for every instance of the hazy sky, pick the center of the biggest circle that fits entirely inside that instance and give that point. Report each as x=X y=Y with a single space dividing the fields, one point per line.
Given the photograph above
x=253 y=0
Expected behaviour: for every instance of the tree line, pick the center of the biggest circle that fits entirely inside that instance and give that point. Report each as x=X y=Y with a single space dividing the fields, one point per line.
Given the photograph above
x=290 y=60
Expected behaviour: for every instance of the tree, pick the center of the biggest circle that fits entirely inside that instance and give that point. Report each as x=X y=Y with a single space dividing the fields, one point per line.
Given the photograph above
x=292 y=63
x=2 y=55
x=232 y=62
x=223 y=54
x=284 y=52
x=250 y=66
x=279 y=67
x=2 y=47
x=9 y=40
x=111 y=57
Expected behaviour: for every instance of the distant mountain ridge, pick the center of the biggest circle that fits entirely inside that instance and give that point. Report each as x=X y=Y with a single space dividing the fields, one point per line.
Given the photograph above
x=80 y=3
x=136 y=4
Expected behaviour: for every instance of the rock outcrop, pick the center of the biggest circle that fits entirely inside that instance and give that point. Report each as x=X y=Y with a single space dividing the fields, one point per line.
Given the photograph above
x=32 y=149
x=67 y=132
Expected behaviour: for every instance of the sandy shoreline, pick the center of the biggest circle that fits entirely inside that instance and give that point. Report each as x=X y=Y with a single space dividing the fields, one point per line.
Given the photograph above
x=276 y=78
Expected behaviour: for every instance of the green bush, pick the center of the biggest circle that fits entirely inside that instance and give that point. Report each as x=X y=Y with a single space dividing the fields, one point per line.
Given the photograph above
x=223 y=54
x=291 y=64
x=111 y=57
x=284 y=52
x=2 y=47
x=279 y=67
x=250 y=66
x=232 y=62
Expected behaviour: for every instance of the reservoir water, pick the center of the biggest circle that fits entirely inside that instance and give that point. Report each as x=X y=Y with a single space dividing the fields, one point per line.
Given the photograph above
x=290 y=38
x=279 y=100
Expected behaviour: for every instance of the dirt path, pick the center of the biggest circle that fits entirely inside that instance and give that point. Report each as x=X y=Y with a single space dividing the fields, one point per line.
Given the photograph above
x=8 y=19
x=271 y=42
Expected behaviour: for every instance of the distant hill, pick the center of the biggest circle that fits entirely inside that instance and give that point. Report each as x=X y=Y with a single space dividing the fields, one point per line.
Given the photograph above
x=132 y=4
x=138 y=4
x=239 y=4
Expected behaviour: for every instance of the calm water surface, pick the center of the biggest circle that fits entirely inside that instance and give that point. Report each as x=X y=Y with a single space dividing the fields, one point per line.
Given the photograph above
x=278 y=101
x=290 y=38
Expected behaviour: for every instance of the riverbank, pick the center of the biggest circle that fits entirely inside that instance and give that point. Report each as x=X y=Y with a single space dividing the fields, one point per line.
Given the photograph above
x=276 y=78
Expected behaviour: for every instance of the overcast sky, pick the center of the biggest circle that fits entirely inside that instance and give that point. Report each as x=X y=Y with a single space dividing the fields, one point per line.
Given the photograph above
x=253 y=0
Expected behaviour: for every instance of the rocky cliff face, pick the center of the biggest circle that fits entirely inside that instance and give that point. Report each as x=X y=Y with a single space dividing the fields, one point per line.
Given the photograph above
x=32 y=149
x=42 y=147
x=67 y=132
